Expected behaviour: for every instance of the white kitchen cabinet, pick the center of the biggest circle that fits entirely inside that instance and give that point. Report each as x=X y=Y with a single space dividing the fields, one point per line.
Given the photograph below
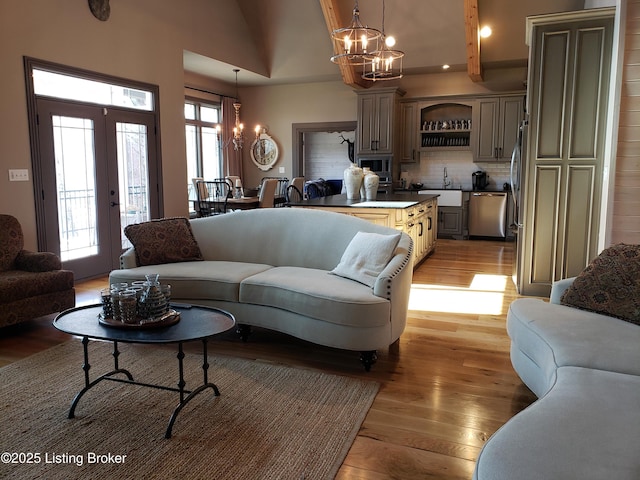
x=497 y=122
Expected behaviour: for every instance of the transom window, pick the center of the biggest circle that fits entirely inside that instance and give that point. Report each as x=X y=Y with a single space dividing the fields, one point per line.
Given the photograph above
x=69 y=87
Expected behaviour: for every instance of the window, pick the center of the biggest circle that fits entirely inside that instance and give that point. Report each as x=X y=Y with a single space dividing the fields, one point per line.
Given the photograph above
x=204 y=156
x=70 y=87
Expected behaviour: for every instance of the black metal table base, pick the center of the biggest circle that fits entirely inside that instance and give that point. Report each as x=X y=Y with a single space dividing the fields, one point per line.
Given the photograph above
x=88 y=384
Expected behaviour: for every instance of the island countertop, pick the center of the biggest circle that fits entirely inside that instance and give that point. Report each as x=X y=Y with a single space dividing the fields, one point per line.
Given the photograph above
x=415 y=214
x=389 y=200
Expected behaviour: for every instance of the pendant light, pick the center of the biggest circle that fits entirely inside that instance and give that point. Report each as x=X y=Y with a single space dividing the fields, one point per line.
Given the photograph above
x=385 y=63
x=353 y=44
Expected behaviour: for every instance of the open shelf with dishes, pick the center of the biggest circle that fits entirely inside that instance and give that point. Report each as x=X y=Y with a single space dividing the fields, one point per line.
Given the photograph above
x=445 y=126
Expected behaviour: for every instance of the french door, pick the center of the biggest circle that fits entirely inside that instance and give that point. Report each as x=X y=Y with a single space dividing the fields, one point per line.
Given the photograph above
x=99 y=173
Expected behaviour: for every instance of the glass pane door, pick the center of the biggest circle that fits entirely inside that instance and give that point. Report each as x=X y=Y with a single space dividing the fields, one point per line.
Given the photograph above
x=98 y=164
x=133 y=176
x=73 y=140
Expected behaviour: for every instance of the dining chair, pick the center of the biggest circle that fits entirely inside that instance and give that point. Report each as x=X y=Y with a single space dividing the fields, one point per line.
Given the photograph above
x=298 y=182
x=200 y=193
x=281 y=189
x=212 y=197
x=293 y=194
x=268 y=193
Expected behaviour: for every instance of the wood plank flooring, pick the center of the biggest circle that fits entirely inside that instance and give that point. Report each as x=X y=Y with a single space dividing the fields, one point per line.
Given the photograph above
x=446 y=386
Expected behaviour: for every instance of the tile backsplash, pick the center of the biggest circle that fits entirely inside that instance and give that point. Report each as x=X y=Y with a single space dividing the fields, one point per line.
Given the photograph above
x=459 y=165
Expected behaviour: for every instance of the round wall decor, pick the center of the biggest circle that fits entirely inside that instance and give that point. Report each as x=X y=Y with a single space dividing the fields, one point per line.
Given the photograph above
x=264 y=152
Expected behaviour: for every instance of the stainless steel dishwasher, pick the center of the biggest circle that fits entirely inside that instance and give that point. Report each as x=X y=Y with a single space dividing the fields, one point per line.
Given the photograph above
x=488 y=214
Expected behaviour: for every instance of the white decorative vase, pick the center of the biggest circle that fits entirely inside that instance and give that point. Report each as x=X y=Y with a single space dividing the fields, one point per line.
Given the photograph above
x=353 y=181
x=370 y=184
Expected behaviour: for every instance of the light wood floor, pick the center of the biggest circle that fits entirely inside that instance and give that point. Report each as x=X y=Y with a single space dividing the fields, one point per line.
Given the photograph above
x=445 y=387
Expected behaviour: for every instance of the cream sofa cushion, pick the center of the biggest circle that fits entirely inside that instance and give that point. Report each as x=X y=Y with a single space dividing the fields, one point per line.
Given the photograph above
x=316 y=294
x=210 y=280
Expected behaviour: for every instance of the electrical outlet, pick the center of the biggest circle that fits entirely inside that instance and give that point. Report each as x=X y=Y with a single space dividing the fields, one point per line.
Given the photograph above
x=281 y=169
x=19 y=175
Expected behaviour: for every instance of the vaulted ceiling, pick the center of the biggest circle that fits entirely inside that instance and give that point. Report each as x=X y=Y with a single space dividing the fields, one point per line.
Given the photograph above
x=287 y=41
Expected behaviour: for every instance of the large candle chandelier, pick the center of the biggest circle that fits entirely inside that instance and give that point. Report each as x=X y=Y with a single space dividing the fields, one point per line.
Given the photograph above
x=238 y=130
x=385 y=63
x=353 y=44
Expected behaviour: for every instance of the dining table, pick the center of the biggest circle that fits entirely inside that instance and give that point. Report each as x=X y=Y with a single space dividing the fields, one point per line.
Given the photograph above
x=243 y=203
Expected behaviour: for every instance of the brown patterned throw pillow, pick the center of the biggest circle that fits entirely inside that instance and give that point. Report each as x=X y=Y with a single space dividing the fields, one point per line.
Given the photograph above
x=610 y=284
x=167 y=240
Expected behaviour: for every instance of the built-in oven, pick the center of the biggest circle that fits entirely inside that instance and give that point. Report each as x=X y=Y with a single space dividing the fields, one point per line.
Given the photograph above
x=382 y=167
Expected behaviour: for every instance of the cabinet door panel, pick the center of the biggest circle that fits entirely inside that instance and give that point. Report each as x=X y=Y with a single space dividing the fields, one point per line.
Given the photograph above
x=408 y=132
x=579 y=213
x=487 y=126
x=366 y=123
x=588 y=87
x=553 y=91
x=512 y=114
x=544 y=225
x=385 y=124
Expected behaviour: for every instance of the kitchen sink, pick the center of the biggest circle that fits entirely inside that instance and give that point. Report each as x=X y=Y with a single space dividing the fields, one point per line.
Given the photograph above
x=447 y=198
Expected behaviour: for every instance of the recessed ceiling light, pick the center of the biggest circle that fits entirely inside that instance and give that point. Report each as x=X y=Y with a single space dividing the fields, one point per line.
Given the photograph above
x=390 y=41
x=485 y=31
x=446 y=67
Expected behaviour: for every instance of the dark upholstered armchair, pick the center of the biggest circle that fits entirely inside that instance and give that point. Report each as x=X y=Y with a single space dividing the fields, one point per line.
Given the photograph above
x=32 y=284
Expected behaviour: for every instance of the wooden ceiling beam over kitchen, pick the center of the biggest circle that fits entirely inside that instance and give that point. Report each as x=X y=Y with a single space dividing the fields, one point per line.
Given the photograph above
x=332 y=17
x=471 y=28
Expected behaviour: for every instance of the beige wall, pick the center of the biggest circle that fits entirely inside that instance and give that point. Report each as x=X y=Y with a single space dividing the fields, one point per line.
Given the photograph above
x=143 y=40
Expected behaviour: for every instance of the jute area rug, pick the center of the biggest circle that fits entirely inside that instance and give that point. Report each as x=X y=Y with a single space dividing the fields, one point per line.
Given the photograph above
x=269 y=422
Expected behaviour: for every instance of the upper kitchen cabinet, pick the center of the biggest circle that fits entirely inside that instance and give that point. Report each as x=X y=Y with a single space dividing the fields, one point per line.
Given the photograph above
x=445 y=125
x=497 y=123
x=408 y=138
x=376 y=120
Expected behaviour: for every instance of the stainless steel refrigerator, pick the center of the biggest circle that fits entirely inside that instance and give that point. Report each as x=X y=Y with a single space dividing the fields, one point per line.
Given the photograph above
x=518 y=182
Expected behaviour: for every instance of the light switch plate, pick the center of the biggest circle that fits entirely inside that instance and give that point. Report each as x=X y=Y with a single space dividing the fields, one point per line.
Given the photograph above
x=281 y=169
x=19 y=175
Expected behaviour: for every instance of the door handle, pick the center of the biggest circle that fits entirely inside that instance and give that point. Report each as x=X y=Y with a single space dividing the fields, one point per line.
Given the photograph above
x=114 y=204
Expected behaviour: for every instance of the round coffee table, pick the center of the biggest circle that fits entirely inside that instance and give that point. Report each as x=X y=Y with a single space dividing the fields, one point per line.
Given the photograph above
x=196 y=323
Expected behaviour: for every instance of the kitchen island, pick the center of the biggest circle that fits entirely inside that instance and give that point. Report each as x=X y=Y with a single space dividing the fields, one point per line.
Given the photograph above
x=413 y=214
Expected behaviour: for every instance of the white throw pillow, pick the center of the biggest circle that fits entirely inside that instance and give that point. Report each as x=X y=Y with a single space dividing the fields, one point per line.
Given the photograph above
x=366 y=256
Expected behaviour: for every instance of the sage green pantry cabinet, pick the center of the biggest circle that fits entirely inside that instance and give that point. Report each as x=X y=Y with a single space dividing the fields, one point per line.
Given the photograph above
x=377 y=112
x=497 y=123
x=568 y=96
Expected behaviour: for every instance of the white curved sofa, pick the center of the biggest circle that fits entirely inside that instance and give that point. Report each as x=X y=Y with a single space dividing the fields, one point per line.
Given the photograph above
x=271 y=268
x=585 y=369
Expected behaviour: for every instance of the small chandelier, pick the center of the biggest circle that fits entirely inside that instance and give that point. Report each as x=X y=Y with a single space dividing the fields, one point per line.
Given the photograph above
x=354 y=43
x=386 y=63
x=238 y=129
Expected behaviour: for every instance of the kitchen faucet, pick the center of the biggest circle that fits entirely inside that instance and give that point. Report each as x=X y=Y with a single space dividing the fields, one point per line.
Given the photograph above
x=445 y=180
